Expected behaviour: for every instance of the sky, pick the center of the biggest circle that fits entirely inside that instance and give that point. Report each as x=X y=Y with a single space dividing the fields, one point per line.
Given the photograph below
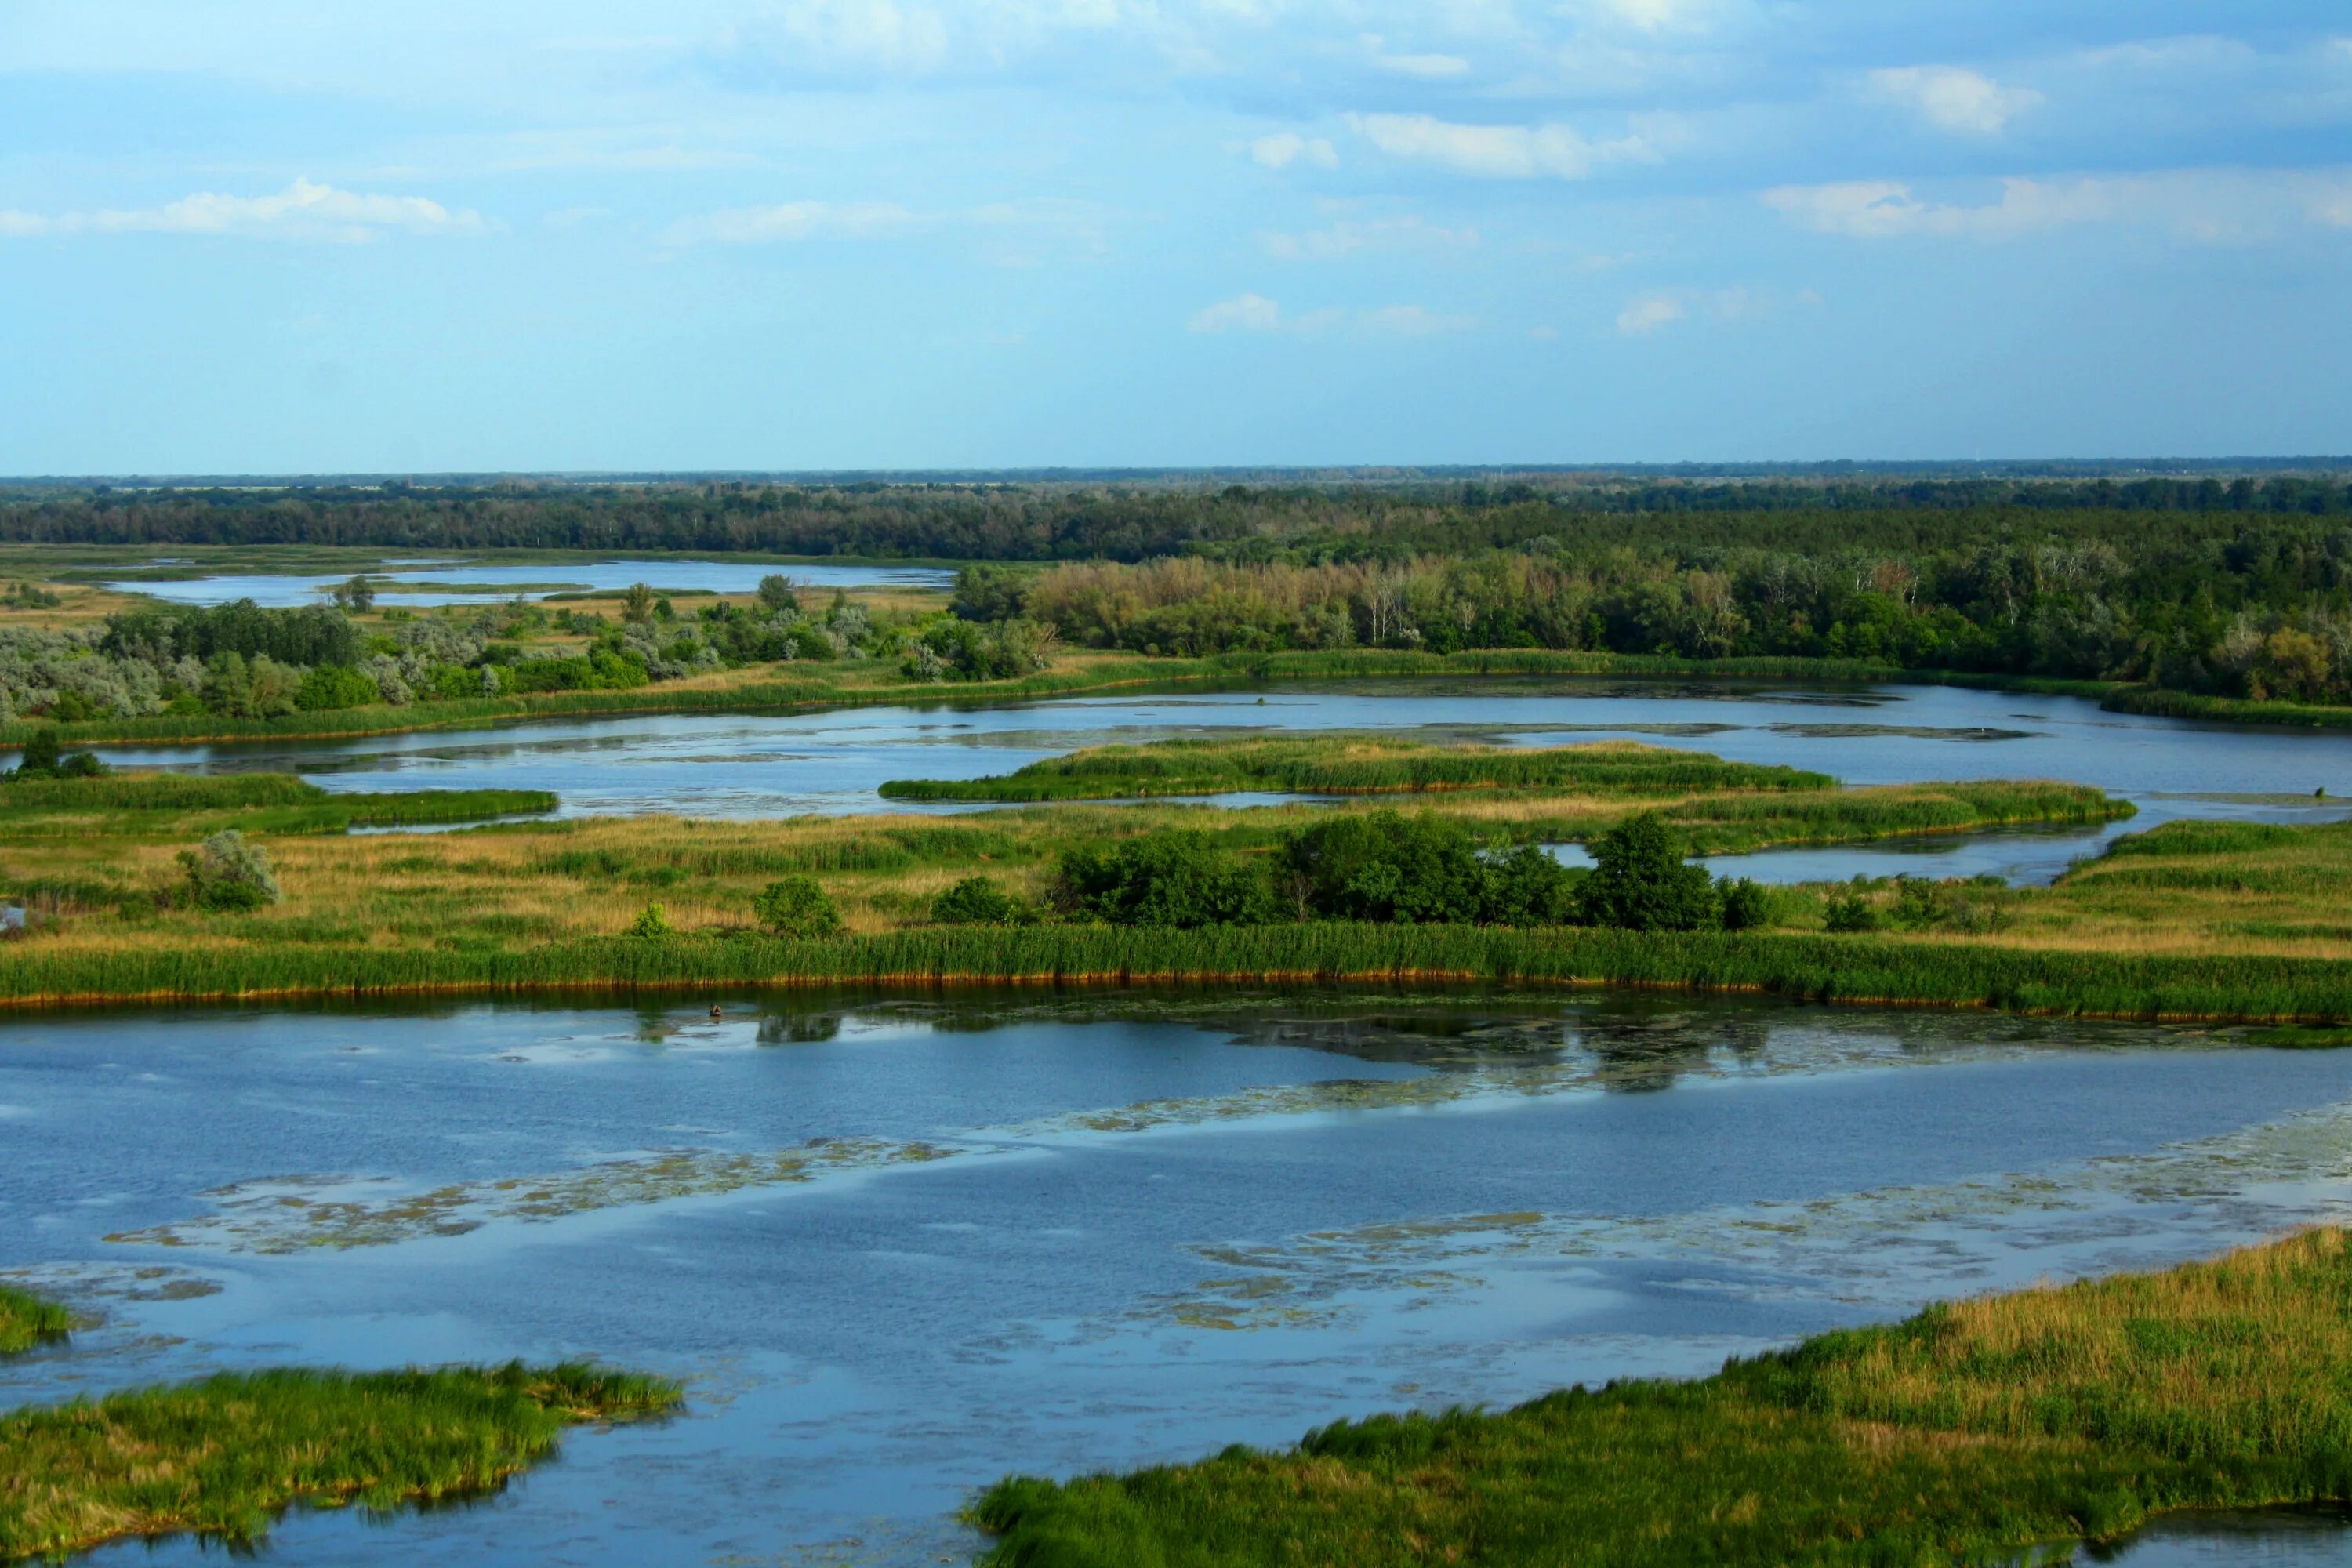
x=262 y=235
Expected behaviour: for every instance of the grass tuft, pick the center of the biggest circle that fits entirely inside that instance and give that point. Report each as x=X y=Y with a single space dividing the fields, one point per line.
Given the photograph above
x=224 y=1456
x=27 y=1320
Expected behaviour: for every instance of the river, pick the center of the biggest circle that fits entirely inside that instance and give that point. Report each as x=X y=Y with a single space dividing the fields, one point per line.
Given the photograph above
x=898 y=1248
x=830 y=762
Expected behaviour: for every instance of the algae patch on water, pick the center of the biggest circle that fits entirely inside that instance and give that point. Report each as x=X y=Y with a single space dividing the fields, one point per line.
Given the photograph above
x=293 y=1214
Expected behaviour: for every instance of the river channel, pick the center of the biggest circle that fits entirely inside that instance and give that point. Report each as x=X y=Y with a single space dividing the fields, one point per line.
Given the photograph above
x=898 y=1248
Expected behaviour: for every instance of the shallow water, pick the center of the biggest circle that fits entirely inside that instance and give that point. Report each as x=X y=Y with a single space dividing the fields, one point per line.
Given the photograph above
x=281 y=590
x=901 y=1247
x=782 y=765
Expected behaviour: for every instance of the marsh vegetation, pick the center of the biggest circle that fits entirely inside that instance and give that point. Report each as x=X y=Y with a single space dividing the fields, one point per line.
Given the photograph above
x=221 y=1456
x=1976 y=1429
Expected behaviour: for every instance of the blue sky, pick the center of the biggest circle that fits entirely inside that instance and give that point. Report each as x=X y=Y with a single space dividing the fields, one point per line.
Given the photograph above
x=264 y=236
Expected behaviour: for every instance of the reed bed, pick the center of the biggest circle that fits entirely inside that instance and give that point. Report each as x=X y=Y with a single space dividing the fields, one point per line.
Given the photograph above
x=1972 y=1432
x=1884 y=969
x=27 y=1320
x=182 y=804
x=223 y=1455
x=1359 y=764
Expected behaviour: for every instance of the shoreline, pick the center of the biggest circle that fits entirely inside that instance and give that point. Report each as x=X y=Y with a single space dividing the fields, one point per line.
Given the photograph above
x=1849 y=971
x=1114 y=672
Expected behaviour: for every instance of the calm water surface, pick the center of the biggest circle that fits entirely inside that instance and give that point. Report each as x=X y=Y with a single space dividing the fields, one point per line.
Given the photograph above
x=284 y=589
x=780 y=764
x=901 y=1247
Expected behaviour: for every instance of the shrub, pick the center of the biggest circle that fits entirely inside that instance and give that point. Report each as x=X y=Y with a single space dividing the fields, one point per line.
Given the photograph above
x=651 y=921
x=776 y=593
x=1383 y=866
x=332 y=686
x=796 y=907
x=1849 y=912
x=229 y=873
x=1745 y=904
x=1167 y=879
x=978 y=901
x=1639 y=881
x=41 y=755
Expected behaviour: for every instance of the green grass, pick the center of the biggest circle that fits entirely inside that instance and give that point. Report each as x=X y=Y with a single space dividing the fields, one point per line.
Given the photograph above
x=2128 y=983
x=181 y=803
x=1968 y=1433
x=1358 y=765
x=27 y=1320
x=223 y=1455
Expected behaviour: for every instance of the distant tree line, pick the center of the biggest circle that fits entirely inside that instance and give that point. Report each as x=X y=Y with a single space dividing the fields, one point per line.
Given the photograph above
x=1301 y=521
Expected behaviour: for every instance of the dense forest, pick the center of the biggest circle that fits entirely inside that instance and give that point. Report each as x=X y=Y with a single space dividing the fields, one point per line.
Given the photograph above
x=1300 y=522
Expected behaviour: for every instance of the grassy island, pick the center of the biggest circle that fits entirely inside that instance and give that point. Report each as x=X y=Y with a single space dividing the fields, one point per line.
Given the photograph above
x=1970 y=1432
x=27 y=1320
x=223 y=1455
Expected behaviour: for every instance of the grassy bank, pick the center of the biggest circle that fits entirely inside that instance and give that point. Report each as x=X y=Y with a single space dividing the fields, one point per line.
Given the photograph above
x=1973 y=1429
x=1899 y=969
x=1358 y=765
x=539 y=900
x=180 y=804
x=27 y=1320
x=223 y=1455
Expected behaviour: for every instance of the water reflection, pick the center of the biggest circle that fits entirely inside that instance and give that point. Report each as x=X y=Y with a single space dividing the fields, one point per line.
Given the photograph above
x=833 y=762
x=899 y=1246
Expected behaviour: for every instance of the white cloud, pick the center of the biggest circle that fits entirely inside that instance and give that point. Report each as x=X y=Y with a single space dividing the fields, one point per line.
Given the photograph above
x=1952 y=98
x=1662 y=308
x=2215 y=207
x=1284 y=148
x=1412 y=321
x=1346 y=237
x=303 y=210
x=2195 y=51
x=1645 y=315
x=1242 y=313
x=794 y=222
x=1256 y=313
x=1494 y=152
x=1427 y=68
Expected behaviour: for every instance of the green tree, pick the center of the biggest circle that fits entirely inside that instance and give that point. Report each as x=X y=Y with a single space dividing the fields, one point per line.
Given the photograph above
x=637 y=604
x=978 y=901
x=796 y=907
x=1528 y=887
x=230 y=873
x=1383 y=866
x=777 y=594
x=1639 y=881
x=1745 y=904
x=1178 y=878
x=355 y=594
x=40 y=756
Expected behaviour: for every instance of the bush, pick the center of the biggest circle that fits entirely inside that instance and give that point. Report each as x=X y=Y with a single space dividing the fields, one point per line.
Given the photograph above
x=1745 y=904
x=1383 y=866
x=332 y=686
x=776 y=593
x=979 y=902
x=1167 y=879
x=1639 y=881
x=651 y=921
x=796 y=907
x=1849 y=912
x=229 y=873
x=39 y=760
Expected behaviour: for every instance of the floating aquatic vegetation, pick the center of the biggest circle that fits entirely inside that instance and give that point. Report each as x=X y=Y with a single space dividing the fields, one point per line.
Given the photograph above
x=290 y=1215
x=1843 y=1245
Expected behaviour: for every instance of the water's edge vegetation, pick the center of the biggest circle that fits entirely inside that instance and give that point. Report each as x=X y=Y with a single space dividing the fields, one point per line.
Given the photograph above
x=1970 y=1432
x=224 y=1456
x=27 y=1321
x=1877 y=970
